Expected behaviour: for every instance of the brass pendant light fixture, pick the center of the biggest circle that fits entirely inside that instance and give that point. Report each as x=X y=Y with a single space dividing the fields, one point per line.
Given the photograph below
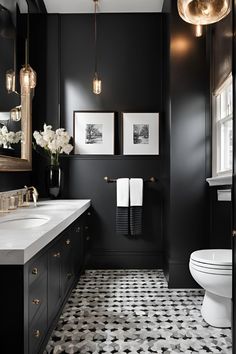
x=203 y=12
x=97 y=83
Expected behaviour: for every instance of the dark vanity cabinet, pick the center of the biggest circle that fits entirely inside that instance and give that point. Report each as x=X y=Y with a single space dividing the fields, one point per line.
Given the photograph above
x=34 y=294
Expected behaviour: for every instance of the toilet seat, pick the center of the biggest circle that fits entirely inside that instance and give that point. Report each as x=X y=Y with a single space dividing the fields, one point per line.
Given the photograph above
x=208 y=270
x=211 y=266
x=220 y=257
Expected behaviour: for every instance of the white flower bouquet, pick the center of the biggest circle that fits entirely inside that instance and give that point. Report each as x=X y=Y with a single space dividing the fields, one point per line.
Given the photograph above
x=9 y=137
x=53 y=142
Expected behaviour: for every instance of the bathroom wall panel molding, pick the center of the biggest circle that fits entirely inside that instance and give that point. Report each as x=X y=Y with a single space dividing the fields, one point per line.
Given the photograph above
x=132 y=260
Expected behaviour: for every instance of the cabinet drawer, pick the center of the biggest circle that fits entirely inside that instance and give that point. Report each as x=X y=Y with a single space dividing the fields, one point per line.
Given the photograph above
x=37 y=331
x=37 y=267
x=37 y=295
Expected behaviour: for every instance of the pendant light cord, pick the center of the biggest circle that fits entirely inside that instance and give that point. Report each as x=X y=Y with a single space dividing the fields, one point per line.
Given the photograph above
x=95 y=35
x=27 y=39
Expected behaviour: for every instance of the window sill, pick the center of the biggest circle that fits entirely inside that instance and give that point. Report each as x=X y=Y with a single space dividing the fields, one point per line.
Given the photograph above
x=220 y=181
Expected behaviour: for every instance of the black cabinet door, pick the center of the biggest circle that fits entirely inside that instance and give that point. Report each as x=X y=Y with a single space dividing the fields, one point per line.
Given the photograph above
x=67 y=273
x=78 y=250
x=54 y=279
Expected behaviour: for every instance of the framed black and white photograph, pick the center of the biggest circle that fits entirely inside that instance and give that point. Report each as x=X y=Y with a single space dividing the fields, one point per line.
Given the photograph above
x=94 y=133
x=140 y=133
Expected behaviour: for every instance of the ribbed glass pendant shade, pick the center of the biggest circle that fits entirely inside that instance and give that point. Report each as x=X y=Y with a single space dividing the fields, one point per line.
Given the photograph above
x=203 y=12
x=97 y=85
x=10 y=81
x=28 y=79
x=15 y=113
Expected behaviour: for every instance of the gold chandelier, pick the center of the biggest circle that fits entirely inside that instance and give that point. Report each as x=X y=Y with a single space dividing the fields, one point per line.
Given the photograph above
x=203 y=12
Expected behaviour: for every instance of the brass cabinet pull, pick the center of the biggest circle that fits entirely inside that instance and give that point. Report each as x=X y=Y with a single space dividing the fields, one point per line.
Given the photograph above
x=57 y=255
x=77 y=229
x=36 y=301
x=37 y=333
x=35 y=271
x=68 y=241
x=89 y=213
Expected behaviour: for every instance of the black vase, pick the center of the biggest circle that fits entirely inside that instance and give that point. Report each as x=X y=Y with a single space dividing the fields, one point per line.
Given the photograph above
x=54 y=181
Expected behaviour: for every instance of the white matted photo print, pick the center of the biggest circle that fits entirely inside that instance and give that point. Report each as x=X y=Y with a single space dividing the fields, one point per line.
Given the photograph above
x=94 y=133
x=140 y=133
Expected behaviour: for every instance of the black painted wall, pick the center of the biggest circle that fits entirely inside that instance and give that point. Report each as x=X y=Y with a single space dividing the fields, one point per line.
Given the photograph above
x=139 y=73
x=131 y=66
x=186 y=103
x=220 y=220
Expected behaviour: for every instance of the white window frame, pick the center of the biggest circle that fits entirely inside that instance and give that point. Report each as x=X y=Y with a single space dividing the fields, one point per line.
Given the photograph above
x=216 y=149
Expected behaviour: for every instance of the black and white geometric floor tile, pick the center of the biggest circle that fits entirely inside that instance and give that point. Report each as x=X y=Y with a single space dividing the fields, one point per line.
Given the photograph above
x=133 y=311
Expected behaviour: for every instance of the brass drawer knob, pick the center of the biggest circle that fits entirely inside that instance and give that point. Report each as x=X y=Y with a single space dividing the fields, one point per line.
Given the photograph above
x=57 y=255
x=86 y=227
x=37 y=333
x=77 y=229
x=89 y=213
x=35 y=271
x=68 y=241
x=36 y=301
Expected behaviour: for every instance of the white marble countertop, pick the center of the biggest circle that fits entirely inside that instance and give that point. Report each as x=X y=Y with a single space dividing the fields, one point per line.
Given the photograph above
x=19 y=245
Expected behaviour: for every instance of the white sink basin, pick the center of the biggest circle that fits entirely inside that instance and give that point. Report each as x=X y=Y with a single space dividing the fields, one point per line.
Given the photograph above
x=23 y=223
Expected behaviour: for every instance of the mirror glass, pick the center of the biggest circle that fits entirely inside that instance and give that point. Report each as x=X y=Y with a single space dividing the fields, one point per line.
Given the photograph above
x=15 y=137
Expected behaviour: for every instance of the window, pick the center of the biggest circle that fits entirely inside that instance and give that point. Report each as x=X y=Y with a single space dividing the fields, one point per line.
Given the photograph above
x=223 y=128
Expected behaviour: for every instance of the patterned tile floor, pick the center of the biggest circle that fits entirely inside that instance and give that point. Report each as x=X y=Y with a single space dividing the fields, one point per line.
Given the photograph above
x=133 y=311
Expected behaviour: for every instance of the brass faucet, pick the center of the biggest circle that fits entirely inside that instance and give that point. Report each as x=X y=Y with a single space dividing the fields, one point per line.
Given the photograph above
x=34 y=194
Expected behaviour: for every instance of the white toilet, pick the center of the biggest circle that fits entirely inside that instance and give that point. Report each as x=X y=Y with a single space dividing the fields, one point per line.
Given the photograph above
x=212 y=269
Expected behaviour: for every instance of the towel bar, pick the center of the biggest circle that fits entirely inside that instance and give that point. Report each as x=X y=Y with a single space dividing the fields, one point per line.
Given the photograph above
x=113 y=180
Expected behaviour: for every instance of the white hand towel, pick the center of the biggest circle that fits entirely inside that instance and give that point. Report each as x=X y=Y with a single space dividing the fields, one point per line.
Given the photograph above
x=136 y=191
x=122 y=192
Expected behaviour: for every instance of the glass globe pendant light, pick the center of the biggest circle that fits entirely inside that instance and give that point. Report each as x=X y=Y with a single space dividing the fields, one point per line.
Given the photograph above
x=97 y=83
x=203 y=12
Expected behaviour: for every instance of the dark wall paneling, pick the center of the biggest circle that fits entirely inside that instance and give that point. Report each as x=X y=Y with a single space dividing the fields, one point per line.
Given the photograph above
x=130 y=62
x=221 y=220
x=188 y=197
x=107 y=249
x=222 y=51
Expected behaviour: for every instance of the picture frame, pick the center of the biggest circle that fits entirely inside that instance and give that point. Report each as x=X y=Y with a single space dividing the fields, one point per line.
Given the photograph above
x=140 y=133
x=94 y=132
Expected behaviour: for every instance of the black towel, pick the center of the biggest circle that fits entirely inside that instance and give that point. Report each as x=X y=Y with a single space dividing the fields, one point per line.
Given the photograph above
x=122 y=202
x=136 y=220
x=136 y=204
x=122 y=220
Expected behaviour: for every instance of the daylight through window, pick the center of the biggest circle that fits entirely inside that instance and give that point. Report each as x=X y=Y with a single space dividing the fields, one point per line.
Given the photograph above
x=222 y=128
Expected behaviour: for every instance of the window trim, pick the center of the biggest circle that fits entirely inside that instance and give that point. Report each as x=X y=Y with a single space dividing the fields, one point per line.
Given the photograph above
x=215 y=148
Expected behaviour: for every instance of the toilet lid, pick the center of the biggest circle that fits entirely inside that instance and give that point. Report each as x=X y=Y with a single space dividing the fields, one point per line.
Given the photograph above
x=210 y=266
x=221 y=257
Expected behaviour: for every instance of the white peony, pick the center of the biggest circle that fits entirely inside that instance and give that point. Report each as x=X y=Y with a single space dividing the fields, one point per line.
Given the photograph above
x=67 y=149
x=9 y=137
x=54 y=142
